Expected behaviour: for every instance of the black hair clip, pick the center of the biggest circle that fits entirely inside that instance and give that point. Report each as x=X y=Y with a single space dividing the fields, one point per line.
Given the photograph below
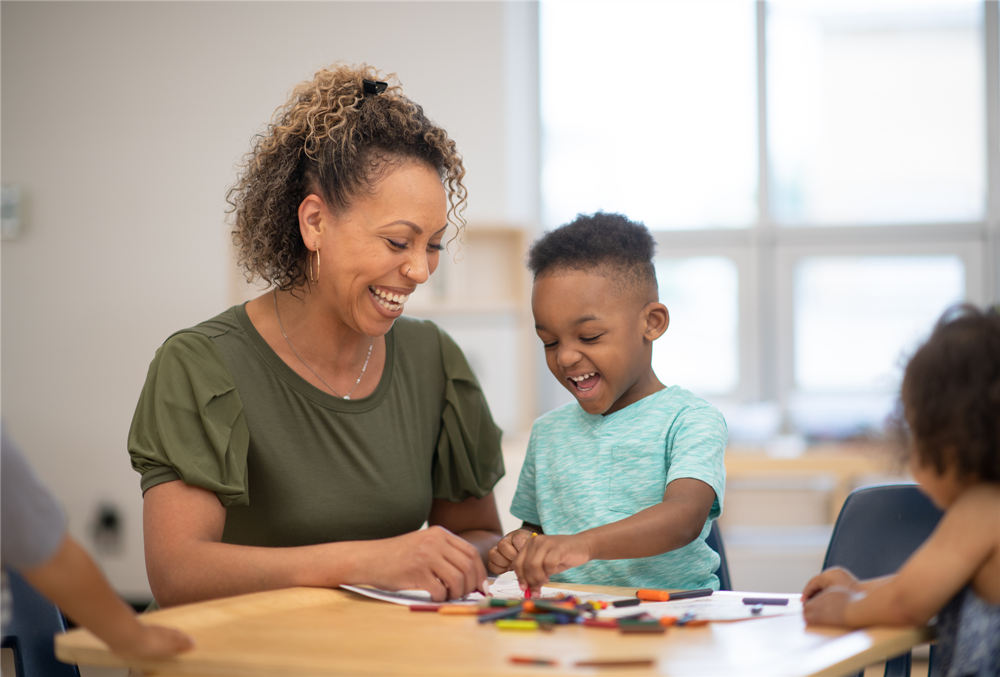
x=373 y=87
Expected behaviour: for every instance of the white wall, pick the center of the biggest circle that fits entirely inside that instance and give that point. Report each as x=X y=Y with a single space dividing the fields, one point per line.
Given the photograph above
x=121 y=125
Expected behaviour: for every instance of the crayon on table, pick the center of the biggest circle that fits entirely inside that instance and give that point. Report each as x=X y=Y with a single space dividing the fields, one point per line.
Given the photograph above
x=777 y=601
x=516 y=624
x=614 y=663
x=531 y=660
x=665 y=596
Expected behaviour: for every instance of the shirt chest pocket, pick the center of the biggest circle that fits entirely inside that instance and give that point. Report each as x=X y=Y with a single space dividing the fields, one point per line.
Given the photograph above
x=637 y=479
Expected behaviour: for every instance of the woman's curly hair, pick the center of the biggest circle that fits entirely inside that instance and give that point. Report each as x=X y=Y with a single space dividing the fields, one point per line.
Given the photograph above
x=331 y=138
x=951 y=394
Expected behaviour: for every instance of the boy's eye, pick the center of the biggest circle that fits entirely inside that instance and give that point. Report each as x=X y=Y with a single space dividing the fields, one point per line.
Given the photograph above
x=549 y=344
x=590 y=339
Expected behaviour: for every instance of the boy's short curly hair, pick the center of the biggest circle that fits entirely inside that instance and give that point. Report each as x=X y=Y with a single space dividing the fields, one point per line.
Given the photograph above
x=330 y=138
x=951 y=394
x=603 y=241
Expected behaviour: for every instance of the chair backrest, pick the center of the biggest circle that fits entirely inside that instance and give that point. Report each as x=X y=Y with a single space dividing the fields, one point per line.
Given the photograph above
x=879 y=527
x=30 y=630
x=714 y=540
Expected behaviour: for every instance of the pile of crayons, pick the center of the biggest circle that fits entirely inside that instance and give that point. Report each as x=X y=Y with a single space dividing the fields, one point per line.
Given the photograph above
x=546 y=613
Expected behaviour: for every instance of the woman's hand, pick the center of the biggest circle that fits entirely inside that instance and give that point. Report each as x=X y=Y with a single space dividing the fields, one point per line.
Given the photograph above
x=542 y=556
x=432 y=559
x=834 y=576
x=501 y=556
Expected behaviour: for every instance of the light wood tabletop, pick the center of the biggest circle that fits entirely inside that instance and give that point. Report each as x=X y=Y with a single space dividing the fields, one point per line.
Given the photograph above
x=305 y=632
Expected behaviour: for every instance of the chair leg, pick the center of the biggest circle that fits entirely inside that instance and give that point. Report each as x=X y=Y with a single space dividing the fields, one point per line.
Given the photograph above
x=898 y=666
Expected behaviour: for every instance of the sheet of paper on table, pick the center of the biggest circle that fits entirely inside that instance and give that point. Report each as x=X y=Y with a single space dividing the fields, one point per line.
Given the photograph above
x=722 y=605
x=504 y=586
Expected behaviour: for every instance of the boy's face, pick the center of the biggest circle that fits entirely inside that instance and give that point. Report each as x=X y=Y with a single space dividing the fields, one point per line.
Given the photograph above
x=597 y=334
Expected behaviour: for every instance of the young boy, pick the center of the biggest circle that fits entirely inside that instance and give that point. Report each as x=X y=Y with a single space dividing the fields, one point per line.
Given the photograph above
x=36 y=543
x=620 y=487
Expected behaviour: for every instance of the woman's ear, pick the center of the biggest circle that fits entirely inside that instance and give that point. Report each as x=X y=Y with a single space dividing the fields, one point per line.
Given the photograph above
x=312 y=213
x=657 y=320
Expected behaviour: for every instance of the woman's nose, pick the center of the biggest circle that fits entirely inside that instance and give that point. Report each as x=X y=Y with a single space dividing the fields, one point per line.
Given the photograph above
x=417 y=268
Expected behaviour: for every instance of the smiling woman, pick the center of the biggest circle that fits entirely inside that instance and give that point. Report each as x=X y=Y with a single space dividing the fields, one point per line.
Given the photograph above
x=303 y=438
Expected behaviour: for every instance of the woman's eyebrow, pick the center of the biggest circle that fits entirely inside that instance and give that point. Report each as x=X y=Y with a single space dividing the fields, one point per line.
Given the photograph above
x=417 y=229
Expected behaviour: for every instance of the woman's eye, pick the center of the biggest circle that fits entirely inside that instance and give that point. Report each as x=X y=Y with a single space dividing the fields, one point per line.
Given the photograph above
x=435 y=247
x=397 y=244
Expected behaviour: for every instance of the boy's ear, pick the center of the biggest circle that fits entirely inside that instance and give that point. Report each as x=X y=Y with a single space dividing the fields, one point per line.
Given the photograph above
x=657 y=320
x=312 y=213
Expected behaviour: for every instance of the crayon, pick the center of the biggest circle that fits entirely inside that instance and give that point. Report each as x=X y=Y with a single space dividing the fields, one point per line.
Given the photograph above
x=491 y=616
x=777 y=601
x=626 y=602
x=531 y=660
x=665 y=596
x=614 y=663
x=600 y=623
x=516 y=624
x=425 y=607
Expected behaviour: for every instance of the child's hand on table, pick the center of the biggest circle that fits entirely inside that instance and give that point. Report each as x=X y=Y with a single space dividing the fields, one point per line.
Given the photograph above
x=151 y=642
x=834 y=576
x=543 y=556
x=501 y=556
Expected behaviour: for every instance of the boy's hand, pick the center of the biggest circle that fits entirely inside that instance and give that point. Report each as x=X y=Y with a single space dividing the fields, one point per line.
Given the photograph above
x=834 y=576
x=542 y=556
x=501 y=556
x=828 y=607
x=152 y=642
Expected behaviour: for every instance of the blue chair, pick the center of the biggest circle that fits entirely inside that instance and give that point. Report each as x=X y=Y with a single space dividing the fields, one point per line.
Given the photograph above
x=29 y=635
x=878 y=528
x=714 y=540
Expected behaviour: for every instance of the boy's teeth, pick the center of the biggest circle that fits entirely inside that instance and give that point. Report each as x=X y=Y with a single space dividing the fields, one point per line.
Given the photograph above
x=577 y=379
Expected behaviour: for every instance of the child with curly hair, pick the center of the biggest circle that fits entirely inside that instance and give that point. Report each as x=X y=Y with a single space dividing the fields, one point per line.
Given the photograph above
x=951 y=403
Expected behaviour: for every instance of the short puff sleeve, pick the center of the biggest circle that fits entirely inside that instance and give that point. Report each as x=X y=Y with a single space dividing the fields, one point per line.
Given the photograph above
x=189 y=423
x=469 y=460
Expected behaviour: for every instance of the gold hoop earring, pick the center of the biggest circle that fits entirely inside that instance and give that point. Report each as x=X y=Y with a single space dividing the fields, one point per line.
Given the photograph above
x=311 y=273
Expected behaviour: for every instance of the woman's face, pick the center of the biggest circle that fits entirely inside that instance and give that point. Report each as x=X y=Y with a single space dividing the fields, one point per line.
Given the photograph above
x=374 y=253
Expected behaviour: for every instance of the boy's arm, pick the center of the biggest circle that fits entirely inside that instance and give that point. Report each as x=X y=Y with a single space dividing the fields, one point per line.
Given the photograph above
x=960 y=545
x=673 y=523
x=72 y=581
x=668 y=525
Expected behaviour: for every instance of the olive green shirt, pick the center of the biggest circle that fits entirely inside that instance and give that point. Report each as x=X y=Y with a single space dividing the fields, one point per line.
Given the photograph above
x=294 y=465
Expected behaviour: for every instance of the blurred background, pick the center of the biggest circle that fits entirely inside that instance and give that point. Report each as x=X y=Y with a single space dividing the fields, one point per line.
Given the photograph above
x=822 y=178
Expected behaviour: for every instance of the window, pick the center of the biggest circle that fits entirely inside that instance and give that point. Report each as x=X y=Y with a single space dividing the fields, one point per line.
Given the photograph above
x=816 y=175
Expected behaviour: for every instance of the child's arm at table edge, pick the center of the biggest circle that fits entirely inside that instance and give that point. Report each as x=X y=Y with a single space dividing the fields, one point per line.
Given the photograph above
x=673 y=523
x=936 y=572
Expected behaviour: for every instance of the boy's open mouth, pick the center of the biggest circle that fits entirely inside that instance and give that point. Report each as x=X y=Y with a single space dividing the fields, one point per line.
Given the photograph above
x=585 y=382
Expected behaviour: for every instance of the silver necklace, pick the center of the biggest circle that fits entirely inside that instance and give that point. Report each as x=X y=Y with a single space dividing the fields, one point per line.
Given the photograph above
x=364 y=367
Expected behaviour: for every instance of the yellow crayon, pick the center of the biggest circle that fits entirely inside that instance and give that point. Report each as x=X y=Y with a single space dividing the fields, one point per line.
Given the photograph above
x=516 y=624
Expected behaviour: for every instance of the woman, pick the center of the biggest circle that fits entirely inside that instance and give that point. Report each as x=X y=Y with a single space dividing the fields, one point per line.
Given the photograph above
x=305 y=437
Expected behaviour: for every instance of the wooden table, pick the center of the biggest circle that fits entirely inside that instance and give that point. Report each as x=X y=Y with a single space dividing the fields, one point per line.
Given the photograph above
x=305 y=632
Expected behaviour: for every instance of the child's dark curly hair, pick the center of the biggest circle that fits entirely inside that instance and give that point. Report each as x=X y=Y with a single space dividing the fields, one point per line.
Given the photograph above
x=951 y=394
x=594 y=242
x=330 y=138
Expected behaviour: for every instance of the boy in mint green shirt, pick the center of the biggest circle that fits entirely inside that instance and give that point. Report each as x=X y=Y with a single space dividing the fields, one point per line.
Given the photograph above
x=620 y=487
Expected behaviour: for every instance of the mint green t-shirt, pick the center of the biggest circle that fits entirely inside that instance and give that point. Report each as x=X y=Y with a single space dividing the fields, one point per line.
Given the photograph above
x=294 y=465
x=585 y=470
